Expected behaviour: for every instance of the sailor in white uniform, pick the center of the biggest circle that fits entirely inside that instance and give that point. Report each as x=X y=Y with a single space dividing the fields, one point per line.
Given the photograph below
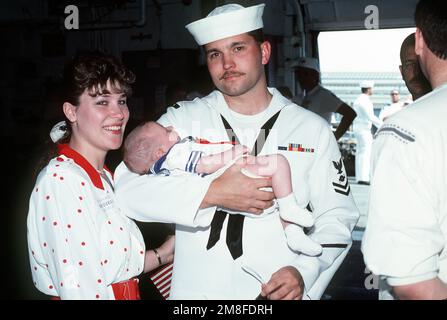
x=317 y=98
x=406 y=235
x=212 y=260
x=362 y=130
x=153 y=149
x=396 y=105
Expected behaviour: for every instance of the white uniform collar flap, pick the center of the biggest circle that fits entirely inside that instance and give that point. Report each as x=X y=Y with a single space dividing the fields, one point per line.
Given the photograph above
x=216 y=101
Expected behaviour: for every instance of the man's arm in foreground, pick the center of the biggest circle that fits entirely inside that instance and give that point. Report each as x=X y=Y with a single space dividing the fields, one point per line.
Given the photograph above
x=236 y=191
x=179 y=199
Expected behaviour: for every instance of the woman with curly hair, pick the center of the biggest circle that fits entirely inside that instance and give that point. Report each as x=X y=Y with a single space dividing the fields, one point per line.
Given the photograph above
x=80 y=245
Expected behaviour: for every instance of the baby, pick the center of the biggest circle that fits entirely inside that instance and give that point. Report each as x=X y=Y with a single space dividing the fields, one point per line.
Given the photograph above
x=153 y=149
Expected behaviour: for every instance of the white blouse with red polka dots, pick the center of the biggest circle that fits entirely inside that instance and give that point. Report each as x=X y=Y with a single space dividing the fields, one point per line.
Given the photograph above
x=79 y=243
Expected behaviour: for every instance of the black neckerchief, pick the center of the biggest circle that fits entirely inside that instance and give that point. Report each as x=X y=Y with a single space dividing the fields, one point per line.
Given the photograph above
x=236 y=221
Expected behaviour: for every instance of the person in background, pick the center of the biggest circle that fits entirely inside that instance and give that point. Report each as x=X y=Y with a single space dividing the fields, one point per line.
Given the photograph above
x=318 y=99
x=414 y=78
x=285 y=91
x=80 y=246
x=364 y=108
x=217 y=253
x=395 y=106
x=405 y=239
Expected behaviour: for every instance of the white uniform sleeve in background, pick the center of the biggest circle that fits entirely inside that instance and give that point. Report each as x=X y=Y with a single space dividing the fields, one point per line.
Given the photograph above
x=403 y=239
x=365 y=110
x=372 y=117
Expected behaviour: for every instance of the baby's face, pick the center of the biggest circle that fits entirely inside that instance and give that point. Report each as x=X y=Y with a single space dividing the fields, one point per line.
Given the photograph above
x=172 y=136
x=166 y=136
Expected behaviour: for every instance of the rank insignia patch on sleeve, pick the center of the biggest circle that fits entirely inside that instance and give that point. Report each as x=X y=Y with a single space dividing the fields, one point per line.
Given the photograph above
x=341 y=185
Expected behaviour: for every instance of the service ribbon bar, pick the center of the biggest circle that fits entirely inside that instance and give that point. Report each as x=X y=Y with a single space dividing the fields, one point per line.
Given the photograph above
x=299 y=148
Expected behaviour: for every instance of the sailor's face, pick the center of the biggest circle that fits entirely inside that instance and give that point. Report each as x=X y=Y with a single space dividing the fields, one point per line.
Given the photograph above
x=308 y=78
x=412 y=74
x=236 y=64
x=394 y=97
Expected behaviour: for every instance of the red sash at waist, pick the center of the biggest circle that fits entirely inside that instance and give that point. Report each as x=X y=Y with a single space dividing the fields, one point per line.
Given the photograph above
x=124 y=290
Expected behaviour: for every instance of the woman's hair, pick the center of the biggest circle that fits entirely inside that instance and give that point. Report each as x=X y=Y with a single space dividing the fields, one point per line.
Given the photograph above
x=91 y=71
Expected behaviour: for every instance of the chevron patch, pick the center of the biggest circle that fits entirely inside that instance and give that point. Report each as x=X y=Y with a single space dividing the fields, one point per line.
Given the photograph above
x=342 y=184
x=342 y=188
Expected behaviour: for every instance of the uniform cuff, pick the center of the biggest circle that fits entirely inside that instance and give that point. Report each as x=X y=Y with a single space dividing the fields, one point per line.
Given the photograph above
x=402 y=281
x=204 y=217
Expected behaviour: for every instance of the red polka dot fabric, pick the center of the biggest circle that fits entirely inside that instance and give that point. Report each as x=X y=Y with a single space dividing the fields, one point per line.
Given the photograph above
x=79 y=241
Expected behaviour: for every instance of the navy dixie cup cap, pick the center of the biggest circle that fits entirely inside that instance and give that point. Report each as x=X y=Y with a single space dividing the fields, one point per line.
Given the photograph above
x=226 y=21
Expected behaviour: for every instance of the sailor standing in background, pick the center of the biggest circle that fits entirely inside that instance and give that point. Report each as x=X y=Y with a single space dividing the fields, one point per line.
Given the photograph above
x=405 y=239
x=396 y=105
x=362 y=131
x=318 y=99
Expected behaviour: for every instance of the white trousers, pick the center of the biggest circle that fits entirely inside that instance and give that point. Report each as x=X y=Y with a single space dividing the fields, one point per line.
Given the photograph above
x=363 y=154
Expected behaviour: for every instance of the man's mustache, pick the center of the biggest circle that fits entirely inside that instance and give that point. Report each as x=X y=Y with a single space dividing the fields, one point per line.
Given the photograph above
x=231 y=74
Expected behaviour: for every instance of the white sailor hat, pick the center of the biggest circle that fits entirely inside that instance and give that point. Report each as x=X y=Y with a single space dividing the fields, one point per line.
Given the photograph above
x=305 y=62
x=366 y=84
x=226 y=21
